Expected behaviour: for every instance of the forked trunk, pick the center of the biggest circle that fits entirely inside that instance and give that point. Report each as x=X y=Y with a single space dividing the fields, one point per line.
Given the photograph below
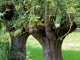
x=51 y=47
x=52 y=51
x=18 y=47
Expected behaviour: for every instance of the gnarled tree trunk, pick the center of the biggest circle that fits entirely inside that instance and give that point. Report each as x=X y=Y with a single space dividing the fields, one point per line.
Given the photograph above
x=18 y=46
x=51 y=44
x=51 y=48
x=50 y=37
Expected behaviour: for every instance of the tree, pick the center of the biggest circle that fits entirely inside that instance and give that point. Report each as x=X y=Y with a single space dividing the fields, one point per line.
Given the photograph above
x=51 y=37
x=9 y=16
x=38 y=19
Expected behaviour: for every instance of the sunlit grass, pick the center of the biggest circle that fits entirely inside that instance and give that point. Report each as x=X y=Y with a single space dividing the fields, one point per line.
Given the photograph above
x=70 y=48
x=72 y=41
x=34 y=49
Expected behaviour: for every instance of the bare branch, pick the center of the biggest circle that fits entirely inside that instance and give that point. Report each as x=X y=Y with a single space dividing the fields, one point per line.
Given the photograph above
x=47 y=12
x=55 y=11
x=48 y=25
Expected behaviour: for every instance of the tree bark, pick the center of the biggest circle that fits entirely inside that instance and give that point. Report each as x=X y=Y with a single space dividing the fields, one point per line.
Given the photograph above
x=18 y=47
x=51 y=44
x=51 y=51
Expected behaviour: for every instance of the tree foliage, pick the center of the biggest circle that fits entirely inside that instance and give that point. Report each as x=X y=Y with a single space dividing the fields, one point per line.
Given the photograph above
x=33 y=10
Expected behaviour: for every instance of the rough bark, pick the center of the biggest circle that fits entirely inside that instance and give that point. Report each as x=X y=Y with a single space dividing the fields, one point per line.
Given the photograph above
x=18 y=46
x=51 y=51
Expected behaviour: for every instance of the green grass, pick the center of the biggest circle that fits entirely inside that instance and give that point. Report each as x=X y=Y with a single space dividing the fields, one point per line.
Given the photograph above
x=70 y=48
x=34 y=50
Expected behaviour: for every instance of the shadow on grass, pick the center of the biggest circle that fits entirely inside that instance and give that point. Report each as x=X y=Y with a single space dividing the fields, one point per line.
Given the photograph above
x=35 y=53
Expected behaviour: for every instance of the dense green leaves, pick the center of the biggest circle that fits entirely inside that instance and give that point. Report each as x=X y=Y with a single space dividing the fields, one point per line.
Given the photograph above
x=33 y=10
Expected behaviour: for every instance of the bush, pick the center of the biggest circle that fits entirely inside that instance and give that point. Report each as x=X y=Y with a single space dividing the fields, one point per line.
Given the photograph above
x=4 y=44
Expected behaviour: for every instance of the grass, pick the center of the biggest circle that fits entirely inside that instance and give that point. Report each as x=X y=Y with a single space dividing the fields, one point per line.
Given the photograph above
x=70 y=48
x=34 y=49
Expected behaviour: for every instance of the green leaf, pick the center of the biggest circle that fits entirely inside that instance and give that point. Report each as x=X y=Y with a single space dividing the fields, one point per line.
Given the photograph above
x=33 y=18
x=71 y=10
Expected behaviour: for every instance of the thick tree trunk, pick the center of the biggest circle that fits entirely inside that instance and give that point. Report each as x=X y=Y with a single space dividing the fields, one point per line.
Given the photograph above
x=18 y=47
x=51 y=42
x=51 y=48
x=51 y=51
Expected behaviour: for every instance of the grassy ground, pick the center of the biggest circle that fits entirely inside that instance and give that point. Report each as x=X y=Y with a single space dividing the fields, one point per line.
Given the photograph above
x=70 y=48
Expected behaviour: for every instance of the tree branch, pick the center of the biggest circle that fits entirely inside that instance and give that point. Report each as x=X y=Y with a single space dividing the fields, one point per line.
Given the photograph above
x=67 y=25
x=48 y=25
x=55 y=11
x=47 y=12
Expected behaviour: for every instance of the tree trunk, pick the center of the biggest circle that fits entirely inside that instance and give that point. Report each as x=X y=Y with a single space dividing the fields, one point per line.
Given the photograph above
x=51 y=51
x=51 y=42
x=51 y=48
x=18 y=47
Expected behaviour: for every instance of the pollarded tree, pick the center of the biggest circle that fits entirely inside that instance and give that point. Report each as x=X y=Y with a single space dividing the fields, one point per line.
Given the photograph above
x=38 y=17
x=49 y=36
